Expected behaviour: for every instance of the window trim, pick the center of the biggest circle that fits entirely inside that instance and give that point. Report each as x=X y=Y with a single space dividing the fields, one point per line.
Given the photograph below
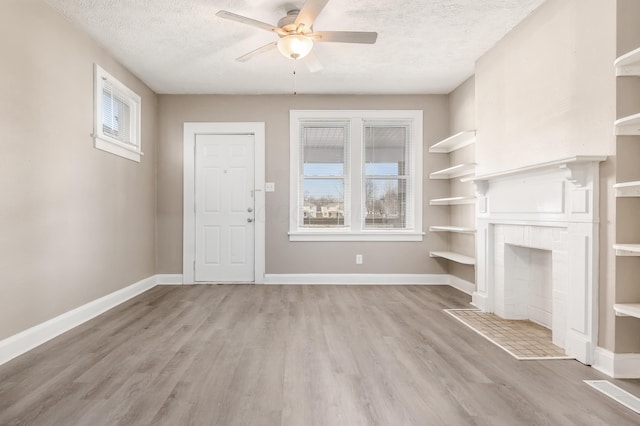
x=102 y=140
x=355 y=231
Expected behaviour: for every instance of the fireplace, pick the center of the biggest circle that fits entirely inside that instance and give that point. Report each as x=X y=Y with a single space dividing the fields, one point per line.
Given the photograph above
x=537 y=249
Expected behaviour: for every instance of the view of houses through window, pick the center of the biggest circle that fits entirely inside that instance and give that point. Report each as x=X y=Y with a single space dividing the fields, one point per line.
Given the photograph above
x=324 y=174
x=386 y=175
x=326 y=178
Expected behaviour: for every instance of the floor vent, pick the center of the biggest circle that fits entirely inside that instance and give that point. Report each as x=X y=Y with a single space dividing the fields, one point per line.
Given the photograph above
x=616 y=393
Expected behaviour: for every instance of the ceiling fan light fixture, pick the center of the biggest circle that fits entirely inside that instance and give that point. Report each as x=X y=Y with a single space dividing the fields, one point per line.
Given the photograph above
x=295 y=46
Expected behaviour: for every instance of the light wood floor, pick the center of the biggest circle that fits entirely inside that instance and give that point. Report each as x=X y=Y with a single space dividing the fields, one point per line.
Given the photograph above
x=293 y=355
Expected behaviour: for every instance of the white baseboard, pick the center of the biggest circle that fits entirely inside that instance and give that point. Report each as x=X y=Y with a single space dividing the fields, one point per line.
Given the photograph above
x=169 y=279
x=462 y=285
x=618 y=366
x=26 y=340
x=358 y=279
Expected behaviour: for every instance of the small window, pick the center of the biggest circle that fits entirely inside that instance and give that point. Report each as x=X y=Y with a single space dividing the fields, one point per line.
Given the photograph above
x=117 y=117
x=356 y=175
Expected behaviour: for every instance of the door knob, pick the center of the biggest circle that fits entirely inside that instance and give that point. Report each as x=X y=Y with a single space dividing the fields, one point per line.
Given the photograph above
x=249 y=209
x=249 y=220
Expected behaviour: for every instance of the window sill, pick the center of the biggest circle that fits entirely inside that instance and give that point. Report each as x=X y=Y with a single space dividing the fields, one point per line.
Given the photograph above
x=355 y=236
x=117 y=149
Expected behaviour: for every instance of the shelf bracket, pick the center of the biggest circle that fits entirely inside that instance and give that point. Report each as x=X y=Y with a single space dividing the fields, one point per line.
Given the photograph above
x=577 y=173
x=482 y=186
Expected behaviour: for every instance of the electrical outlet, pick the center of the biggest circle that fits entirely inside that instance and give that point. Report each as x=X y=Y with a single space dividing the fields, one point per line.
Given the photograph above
x=359 y=259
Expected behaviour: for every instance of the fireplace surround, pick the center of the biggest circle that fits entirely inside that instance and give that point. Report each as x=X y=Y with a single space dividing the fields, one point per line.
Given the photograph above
x=550 y=208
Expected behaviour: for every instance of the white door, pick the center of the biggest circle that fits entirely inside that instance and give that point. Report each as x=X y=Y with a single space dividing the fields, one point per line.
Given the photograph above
x=224 y=208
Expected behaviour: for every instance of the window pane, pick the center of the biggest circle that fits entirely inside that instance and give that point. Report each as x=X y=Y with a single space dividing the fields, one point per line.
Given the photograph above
x=323 y=204
x=323 y=147
x=323 y=151
x=385 y=150
x=385 y=203
x=116 y=116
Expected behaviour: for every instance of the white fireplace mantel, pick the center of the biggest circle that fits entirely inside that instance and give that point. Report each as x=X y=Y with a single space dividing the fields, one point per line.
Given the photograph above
x=571 y=164
x=551 y=206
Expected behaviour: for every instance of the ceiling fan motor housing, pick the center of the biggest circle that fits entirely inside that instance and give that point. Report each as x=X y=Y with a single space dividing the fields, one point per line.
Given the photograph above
x=288 y=23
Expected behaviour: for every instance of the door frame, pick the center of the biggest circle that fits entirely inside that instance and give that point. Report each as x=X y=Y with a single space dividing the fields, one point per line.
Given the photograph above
x=257 y=129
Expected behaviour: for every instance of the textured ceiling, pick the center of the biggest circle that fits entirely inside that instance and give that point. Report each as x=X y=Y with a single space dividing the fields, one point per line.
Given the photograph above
x=181 y=46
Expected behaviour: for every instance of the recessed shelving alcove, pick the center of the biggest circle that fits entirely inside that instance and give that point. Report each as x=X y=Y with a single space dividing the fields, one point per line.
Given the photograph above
x=447 y=146
x=627 y=65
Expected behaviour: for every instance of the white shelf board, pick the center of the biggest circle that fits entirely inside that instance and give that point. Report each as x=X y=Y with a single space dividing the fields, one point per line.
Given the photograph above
x=627 y=249
x=628 y=64
x=452 y=143
x=628 y=126
x=458 y=229
x=627 y=309
x=456 y=257
x=454 y=172
x=627 y=189
x=452 y=201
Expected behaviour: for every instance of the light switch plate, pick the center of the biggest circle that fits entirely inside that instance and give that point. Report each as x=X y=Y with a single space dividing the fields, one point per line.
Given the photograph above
x=270 y=187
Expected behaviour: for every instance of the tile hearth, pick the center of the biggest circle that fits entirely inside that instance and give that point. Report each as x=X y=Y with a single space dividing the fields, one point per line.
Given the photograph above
x=522 y=339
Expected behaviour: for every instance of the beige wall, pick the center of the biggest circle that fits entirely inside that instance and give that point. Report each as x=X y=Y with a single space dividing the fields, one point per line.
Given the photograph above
x=462 y=117
x=76 y=223
x=548 y=91
x=283 y=256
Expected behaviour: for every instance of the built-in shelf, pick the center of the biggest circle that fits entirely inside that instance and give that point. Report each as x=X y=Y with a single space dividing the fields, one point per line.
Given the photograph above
x=627 y=309
x=628 y=126
x=627 y=249
x=458 y=229
x=454 y=142
x=454 y=172
x=452 y=201
x=628 y=64
x=456 y=257
x=627 y=189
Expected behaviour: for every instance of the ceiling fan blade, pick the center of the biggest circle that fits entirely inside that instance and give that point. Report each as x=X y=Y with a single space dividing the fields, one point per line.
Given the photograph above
x=308 y=13
x=344 y=37
x=312 y=62
x=244 y=20
x=258 y=51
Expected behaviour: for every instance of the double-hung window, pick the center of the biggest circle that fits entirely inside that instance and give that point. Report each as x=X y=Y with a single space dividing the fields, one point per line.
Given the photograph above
x=117 y=117
x=356 y=175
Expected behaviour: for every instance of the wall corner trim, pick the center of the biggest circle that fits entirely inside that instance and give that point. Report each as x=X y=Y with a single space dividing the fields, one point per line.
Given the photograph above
x=23 y=342
x=357 y=279
x=617 y=366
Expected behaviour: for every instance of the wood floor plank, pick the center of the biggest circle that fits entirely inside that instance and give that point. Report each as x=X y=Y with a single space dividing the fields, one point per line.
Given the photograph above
x=293 y=355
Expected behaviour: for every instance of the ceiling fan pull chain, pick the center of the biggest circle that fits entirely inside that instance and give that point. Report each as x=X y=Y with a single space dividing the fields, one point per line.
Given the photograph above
x=294 y=78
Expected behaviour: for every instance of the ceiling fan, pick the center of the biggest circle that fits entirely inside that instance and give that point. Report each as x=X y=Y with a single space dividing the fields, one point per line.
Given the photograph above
x=297 y=35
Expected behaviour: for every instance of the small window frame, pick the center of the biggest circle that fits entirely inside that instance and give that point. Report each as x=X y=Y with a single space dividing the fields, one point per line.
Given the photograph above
x=131 y=150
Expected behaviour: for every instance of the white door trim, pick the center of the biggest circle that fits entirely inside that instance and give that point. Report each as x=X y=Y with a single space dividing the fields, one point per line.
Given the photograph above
x=189 y=237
